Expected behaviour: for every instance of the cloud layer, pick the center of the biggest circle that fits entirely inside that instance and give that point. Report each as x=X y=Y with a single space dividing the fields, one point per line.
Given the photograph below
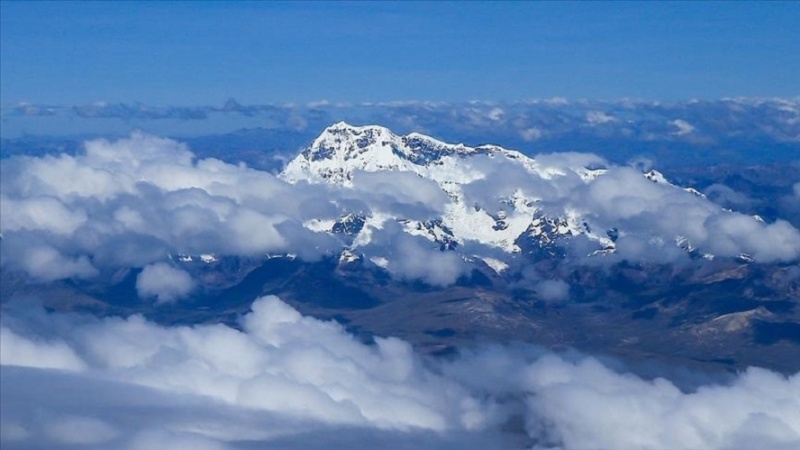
x=164 y=282
x=138 y=202
x=536 y=120
x=288 y=381
x=624 y=199
x=133 y=202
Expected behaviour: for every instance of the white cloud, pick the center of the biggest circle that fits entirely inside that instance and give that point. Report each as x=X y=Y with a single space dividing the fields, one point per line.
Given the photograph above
x=252 y=233
x=584 y=404
x=132 y=202
x=164 y=282
x=654 y=214
x=531 y=134
x=415 y=260
x=289 y=381
x=598 y=117
x=569 y=161
x=16 y=350
x=683 y=127
x=405 y=194
x=39 y=213
x=496 y=114
x=732 y=233
x=727 y=197
x=46 y=264
x=411 y=258
x=281 y=362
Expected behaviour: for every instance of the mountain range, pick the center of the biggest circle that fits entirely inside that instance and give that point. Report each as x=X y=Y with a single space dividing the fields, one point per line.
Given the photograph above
x=444 y=245
x=516 y=219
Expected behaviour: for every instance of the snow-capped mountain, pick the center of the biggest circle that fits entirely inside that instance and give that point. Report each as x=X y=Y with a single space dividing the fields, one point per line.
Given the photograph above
x=343 y=149
x=514 y=221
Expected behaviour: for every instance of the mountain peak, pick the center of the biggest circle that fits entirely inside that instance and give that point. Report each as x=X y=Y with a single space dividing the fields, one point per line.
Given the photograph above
x=343 y=128
x=343 y=148
x=511 y=219
x=342 y=125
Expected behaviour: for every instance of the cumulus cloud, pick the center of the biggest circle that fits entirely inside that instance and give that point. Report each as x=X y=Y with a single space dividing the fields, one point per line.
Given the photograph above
x=416 y=260
x=17 y=350
x=566 y=161
x=655 y=214
x=778 y=241
x=598 y=117
x=45 y=263
x=287 y=381
x=133 y=202
x=728 y=197
x=584 y=404
x=531 y=134
x=39 y=213
x=400 y=192
x=411 y=258
x=652 y=216
x=683 y=127
x=146 y=197
x=164 y=282
x=281 y=362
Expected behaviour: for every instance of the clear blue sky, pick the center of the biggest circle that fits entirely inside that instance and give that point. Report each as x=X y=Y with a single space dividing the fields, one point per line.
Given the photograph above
x=193 y=53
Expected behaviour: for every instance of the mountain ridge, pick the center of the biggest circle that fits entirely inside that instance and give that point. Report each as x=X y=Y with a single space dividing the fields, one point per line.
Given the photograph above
x=344 y=152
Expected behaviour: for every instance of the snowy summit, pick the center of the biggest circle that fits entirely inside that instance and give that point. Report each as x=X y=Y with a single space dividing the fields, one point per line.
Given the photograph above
x=497 y=200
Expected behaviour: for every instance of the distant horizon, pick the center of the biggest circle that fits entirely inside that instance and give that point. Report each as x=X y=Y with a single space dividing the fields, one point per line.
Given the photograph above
x=750 y=130
x=552 y=100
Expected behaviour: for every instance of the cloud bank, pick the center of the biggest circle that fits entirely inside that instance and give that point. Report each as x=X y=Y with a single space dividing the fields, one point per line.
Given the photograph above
x=533 y=120
x=164 y=282
x=625 y=199
x=288 y=381
x=140 y=201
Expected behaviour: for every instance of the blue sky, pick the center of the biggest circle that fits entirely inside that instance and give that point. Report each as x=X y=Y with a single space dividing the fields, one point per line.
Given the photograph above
x=192 y=53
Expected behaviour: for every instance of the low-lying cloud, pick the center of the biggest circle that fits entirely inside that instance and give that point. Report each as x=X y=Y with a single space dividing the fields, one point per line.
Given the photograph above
x=138 y=202
x=163 y=282
x=287 y=381
x=623 y=198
